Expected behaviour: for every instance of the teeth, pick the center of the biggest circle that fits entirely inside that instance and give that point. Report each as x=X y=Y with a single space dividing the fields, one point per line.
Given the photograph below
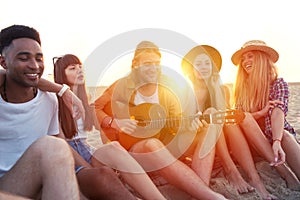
x=33 y=75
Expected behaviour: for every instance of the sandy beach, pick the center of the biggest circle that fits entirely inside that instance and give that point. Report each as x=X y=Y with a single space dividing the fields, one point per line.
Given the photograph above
x=274 y=184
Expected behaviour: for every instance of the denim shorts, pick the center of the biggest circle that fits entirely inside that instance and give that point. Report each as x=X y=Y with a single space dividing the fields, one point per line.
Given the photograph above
x=83 y=149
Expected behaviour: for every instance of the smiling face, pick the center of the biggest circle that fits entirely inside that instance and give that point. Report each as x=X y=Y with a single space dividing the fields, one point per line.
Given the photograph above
x=23 y=61
x=147 y=67
x=74 y=74
x=247 y=60
x=202 y=66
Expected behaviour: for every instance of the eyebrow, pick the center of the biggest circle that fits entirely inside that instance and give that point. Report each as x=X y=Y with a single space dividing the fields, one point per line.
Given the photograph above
x=28 y=53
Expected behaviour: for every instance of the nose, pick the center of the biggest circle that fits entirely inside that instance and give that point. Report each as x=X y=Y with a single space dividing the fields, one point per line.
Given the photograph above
x=79 y=70
x=34 y=64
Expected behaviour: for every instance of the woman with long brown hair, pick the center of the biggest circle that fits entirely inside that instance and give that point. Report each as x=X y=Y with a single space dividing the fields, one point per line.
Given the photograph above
x=93 y=183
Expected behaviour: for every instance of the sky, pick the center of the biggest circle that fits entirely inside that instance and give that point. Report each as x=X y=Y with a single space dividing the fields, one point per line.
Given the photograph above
x=81 y=27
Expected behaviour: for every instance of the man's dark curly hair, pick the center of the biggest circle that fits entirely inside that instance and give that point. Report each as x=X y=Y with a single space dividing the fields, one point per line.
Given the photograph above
x=7 y=35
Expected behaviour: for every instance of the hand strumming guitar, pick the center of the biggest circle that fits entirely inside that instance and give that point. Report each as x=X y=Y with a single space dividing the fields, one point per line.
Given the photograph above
x=125 y=125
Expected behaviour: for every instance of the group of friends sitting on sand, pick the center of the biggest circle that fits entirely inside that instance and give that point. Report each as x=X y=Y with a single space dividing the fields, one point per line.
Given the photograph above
x=155 y=129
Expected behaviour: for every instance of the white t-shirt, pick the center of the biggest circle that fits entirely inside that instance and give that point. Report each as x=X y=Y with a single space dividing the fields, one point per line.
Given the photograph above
x=139 y=98
x=91 y=138
x=81 y=134
x=23 y=123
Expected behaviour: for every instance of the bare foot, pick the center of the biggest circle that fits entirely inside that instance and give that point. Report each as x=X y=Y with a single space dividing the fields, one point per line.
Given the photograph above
x=262 y=191
x=237 y=181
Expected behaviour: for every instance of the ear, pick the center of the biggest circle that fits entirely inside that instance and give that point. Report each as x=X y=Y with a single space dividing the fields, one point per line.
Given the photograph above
x=133 y=63
x=2 y=62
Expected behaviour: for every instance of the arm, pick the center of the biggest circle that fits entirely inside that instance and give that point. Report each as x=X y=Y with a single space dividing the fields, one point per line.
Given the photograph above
x=105 y=116
x=265 y=111
x=7 y=196
x=259 y=114
x=102 y=105
x=68 y=97
x=277 y=123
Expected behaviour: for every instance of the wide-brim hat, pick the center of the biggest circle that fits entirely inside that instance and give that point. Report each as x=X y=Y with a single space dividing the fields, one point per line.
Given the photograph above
x=214 y=54
x=254 y=45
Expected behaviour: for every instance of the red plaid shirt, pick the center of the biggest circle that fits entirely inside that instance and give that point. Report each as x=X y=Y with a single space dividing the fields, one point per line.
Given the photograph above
x=278 y=91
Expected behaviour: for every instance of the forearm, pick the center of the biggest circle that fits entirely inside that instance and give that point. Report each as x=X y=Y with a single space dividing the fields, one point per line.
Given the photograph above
x=102 y=107
x=277 y=123
x=257 y=115
x=49 y=86
x=43 y=84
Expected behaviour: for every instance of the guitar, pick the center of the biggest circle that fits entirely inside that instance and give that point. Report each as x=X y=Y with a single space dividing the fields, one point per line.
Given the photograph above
x=152 y=121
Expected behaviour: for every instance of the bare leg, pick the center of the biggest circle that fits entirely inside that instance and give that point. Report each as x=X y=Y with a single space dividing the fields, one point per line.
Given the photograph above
x=257 y=139
x=102 y=183
x=115 y=156
x=292 y=150
x=48 y=165
x=233 y=175
x=154 y=154
x=242 y=153
x=7 y=196
x=204 y=155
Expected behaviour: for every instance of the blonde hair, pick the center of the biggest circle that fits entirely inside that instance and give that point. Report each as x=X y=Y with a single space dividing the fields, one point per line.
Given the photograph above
x=251 y=91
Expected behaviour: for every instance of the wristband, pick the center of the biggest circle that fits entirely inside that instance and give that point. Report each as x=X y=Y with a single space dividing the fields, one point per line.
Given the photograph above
x=107 y=121
x=63 y=90
x=110 y=122
x=274 y=140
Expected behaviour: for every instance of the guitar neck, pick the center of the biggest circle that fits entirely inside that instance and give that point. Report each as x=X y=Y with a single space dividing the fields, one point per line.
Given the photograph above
x=144 y=112
x=175 y=122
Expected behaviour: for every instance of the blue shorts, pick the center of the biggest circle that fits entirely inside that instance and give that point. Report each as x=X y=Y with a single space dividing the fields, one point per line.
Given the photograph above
x=83 y=149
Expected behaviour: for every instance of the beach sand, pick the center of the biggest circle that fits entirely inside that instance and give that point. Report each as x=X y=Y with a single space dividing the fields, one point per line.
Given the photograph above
x=274 y=184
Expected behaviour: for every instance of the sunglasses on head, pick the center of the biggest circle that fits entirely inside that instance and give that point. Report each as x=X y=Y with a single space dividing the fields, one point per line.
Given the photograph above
x=55 y=59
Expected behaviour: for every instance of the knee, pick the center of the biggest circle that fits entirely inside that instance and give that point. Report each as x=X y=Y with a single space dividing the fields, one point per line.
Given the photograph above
x=248 y=119
x=53 y=149
x=287 y=137
x=116 y=145
x=153 y=144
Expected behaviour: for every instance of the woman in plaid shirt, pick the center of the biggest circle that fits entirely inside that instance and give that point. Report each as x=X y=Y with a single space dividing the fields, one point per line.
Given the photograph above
x=264 y=96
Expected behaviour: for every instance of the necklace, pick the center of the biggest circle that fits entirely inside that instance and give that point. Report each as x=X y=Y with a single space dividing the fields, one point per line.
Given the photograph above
x=4 y=96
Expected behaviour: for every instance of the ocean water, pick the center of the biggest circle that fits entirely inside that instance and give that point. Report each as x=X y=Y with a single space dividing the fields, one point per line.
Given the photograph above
x=294 y=106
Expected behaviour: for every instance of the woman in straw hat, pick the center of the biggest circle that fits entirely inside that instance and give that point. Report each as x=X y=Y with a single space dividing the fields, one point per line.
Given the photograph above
x=264 y=96
x=202 y=65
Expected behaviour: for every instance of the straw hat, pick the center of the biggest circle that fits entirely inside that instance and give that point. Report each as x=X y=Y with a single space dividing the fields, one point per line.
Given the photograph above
x=256 y=45
x=214 y=54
